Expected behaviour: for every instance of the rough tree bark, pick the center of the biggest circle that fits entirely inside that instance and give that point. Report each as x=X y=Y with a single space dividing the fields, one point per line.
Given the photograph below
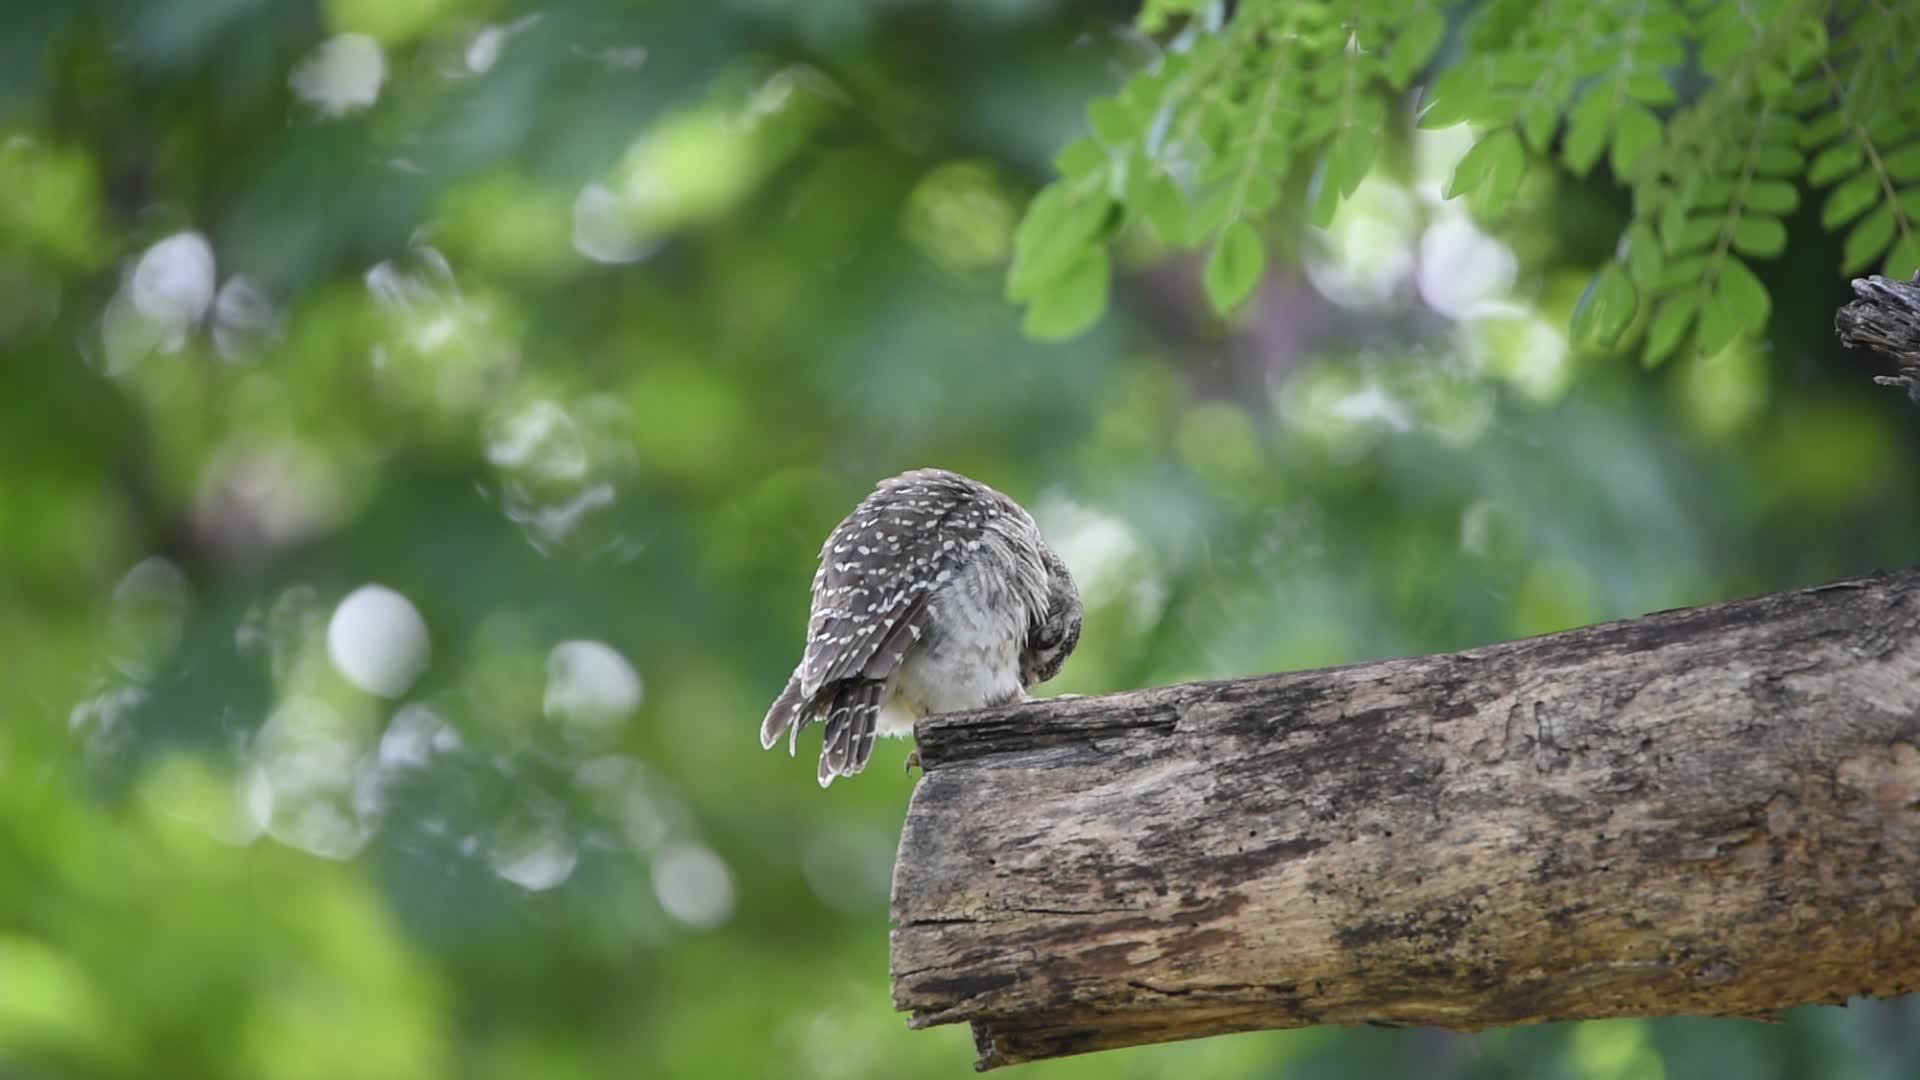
x=1713 y=811
x=1886 y=316
x=1710 y=811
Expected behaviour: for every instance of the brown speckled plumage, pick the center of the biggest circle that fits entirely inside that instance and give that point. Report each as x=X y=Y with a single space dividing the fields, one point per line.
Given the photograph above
x=936 y=594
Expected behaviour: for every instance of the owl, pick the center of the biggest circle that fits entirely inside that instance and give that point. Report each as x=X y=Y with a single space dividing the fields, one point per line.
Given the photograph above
x=937 y=594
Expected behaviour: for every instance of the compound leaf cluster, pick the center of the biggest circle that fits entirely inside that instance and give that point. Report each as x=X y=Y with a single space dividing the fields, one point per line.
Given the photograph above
x=1198 y=146
x=1718 y=117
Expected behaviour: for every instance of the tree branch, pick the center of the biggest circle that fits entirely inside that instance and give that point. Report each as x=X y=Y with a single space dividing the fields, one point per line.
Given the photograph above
x=1707 y=811
x=1886 y=317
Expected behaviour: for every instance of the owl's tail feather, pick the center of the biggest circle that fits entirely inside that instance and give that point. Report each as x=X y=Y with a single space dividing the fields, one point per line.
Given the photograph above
x=785 y=716
x=851 y=717
x=863 y=732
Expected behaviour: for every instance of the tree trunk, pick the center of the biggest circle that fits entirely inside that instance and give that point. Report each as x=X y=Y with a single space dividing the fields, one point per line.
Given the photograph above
x=1709 y=811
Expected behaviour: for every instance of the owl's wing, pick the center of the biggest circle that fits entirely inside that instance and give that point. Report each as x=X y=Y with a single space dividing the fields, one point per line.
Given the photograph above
x=878 y=570
x=872 y=605
x=793 y=710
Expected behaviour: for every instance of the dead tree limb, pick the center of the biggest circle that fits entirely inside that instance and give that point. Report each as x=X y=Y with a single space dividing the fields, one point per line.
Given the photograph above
x=1886 y=317
x=1712 y=811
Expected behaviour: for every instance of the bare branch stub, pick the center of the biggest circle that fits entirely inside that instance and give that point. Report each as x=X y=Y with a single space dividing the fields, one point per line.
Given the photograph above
x=1886 y=317
x=1712 y=811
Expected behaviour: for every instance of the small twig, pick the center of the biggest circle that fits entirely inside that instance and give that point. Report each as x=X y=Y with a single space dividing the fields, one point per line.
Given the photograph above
x=1908 y=379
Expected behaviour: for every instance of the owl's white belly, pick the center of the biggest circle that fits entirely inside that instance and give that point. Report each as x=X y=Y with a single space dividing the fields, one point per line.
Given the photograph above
x=973 y=662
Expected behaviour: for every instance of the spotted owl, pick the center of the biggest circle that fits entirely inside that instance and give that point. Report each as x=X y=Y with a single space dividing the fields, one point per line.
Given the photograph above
x=937 y=594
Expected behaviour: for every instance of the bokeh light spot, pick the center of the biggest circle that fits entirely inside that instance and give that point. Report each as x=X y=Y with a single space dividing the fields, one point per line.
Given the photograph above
x=342 y=75
x=693 y=885
x=378 y=641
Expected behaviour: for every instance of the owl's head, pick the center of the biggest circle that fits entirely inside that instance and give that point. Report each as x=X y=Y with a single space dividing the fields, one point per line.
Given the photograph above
x=1051 y=638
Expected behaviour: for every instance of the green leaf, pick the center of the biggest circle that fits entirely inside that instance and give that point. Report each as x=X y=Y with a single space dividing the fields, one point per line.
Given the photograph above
x=1588 y=63
x=1670 y=326
x=1224 y=167
x=1538 y=120
x=1323 y=198
x=1720 y=323
x=1235 y=267
x=1259 y=193
x=1850 y=200
x=1060 y=223
x=1729 y=41
x=1460 y=95
x=1809 y=43
x=1903 y=164
x=1413 y=46
x=1760 y=236
x=1157 y=198
x=1649 y=87
x=1144 y=92
x=1707 y=192
x=1635 y=131
x=1367 y=114
x=1072 y=301
x=1213 y=121
x=1776 y=159
x=1867 y=240
x=1810 y=96
x=1274 y=156
x=1210 y=214
x=1682 y=272
x=1774 y=80
x=1587 y=132
x=1643 y=254
x=1823 y=128
x=1692 y=234
x=1666 y=21
x=1348 y=158
x=1662 y=48
x=1773 y=196
x=1320 y=122
x=1369 y=37
x=1673 y=218
x=1887 y=126
x=1494 y=167
x=1112 y=122
x=1519 y=68
x=1744 y=295
x=1605 y=309
x=1904 y=259
x=1079 y=158
x=1156 y=14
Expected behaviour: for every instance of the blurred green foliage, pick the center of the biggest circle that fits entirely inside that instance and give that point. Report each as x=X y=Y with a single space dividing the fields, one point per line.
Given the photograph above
x=418 y=420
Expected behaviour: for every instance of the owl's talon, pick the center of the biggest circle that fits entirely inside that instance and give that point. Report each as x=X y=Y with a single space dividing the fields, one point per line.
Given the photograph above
x=913 y=762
